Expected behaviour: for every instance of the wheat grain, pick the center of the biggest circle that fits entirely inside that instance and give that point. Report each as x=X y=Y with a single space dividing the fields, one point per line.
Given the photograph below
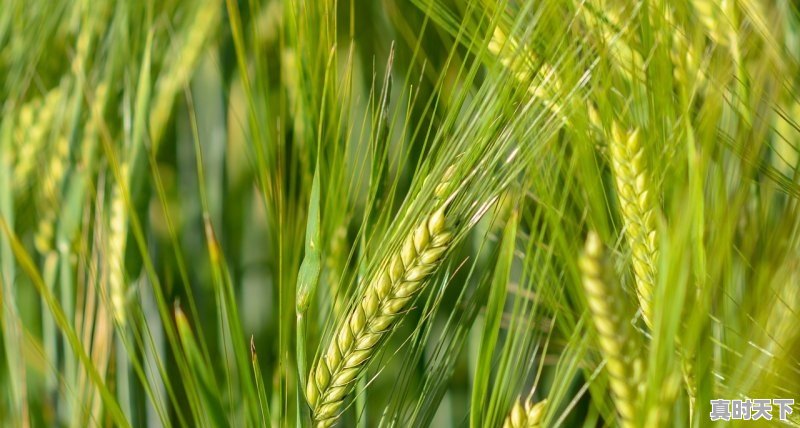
x=638 y=207
x=387 y=296
x=526 y=415
x=615 y=334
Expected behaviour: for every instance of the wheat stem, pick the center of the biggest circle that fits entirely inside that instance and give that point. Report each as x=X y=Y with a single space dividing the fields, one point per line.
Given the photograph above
x=638 y=207
x=615 y=334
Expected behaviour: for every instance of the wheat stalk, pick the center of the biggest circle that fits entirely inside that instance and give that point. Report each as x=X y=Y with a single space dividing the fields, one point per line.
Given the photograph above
x=615 y=334
x=386 y=298
x=638 y=207
x=526 y=415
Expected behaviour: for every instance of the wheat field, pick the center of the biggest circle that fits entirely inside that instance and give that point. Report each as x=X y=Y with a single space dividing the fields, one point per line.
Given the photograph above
x=399 y=213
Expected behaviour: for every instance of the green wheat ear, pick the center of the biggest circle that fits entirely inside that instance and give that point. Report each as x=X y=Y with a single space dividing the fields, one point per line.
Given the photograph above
x=526 y=415
x=31 y=136
x=616 y=336
x=387 y=297
x=638 y=206
x=117 y=237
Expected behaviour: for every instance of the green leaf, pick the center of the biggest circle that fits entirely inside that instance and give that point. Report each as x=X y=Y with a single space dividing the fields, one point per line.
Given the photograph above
x=494 y=315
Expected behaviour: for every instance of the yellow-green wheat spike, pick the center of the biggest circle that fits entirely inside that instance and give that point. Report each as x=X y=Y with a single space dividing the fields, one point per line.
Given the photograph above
x=31 y=136
x=50 y=197
x=117 y=236
x=544 y=85
x=526 y=415
x=712 y=15
x=614 y=330
x=386 y=298
x=178 y=71
x=605 y=21
x=638 y=206
x=685 y=57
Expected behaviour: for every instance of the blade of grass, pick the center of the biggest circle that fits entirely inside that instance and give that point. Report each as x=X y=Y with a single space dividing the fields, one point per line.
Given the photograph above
x=494 y=313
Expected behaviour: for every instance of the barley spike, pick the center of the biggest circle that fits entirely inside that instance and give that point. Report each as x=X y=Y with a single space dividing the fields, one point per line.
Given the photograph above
x=32 y=135
x=178 y=71
x=713 y=16
x=638 y=207
x=615 y=334
x=117 y=236
x=388 y=295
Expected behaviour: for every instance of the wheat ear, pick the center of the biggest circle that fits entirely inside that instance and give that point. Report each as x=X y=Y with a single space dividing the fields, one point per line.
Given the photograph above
x=526 y=415
x=606 y=22
x=685 y=56
x=615 y=334
x=638 y=208
x=50 y=197
x=117 y=237
x=31 y=135
x=712 y=15
x=179 y=70
x=544 y=85
x=387 y=297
